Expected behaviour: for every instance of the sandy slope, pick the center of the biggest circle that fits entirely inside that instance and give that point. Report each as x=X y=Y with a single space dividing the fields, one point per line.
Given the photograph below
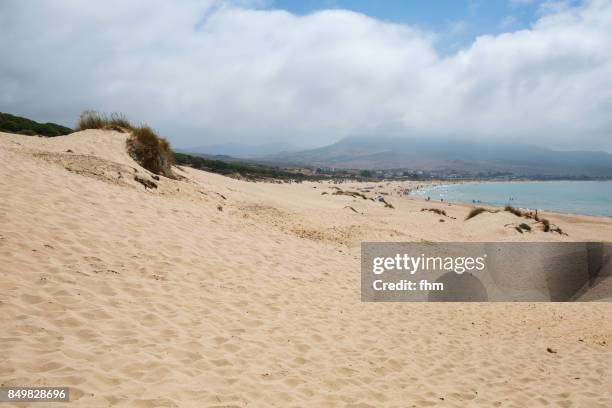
x=214 y=292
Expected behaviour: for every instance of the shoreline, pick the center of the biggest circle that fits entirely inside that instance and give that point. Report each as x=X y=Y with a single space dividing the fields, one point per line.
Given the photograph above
x=493 y=205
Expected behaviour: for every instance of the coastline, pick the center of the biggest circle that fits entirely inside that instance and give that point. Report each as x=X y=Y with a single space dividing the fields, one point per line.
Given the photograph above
x=500 y=205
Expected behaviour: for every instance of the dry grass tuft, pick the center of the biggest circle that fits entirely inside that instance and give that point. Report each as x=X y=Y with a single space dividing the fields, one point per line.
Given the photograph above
x=350 y=193
x=514 y=211
x=435 y=210
x=476 y=211
x=151 y=151
x=91 y=119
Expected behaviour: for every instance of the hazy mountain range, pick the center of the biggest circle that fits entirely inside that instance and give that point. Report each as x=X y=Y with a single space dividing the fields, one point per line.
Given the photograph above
x=239 y=150
x=452 y=155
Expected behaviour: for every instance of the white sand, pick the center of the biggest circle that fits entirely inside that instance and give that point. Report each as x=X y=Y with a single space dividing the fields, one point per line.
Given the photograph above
x=149 y=298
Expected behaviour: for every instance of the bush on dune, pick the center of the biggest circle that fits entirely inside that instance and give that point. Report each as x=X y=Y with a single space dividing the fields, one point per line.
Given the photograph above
x=144 y=145
x=151 y=151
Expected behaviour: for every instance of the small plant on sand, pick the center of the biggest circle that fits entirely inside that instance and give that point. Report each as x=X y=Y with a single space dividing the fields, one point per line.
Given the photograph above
x=151 y=151
x=524 y=227
x=547 y=226
x=435 y=210
x=350 y=193
x=558 y=230
x=475 y=211
x=514 y=211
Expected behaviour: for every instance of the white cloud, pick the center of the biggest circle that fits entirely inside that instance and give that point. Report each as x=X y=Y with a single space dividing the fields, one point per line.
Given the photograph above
x=206 y=72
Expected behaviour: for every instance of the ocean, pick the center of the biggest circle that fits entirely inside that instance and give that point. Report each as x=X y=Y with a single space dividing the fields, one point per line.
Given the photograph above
x=577 y=197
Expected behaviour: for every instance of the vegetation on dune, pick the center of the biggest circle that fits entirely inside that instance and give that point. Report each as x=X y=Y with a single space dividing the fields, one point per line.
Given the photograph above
x=151 y=151
x=351 y=193
x=478 y=210
x=155 y=154
x=435 y=210
x=474 y=212
x=91 y=119
x=146 y=147
x=547 y=226
x=247 y=171
x=17 y=124
x=525 y=227
x=514 y=211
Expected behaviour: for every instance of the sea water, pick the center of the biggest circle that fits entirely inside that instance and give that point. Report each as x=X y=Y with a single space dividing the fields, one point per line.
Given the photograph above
x=578 y=197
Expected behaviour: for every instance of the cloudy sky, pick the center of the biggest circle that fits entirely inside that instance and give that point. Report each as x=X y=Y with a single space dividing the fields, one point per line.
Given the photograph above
x=310 y=72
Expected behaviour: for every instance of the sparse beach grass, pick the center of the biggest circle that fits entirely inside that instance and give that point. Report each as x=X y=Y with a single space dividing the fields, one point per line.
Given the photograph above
x=477 y=211
x=514 y=211
x=435 y=210
x=91 y=119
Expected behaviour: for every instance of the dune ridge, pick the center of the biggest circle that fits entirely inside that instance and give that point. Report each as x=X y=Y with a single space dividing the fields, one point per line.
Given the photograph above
x=208 y=291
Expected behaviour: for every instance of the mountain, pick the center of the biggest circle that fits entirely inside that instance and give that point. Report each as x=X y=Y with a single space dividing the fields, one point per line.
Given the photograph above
x=17 y=124
x=468 y=157
x=241 y=150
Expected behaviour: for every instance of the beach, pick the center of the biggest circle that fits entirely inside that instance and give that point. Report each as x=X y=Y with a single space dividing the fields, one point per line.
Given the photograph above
x=208 y=291
x=588 y=197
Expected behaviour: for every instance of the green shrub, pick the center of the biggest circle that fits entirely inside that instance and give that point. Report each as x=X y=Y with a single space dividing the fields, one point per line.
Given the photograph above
x=151 y=151
x=524 y=227
x=17 y=124
x=545 y=224
x=10 y=126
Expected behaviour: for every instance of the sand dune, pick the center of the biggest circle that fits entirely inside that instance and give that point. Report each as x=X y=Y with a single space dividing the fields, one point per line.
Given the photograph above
x=214 y=292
